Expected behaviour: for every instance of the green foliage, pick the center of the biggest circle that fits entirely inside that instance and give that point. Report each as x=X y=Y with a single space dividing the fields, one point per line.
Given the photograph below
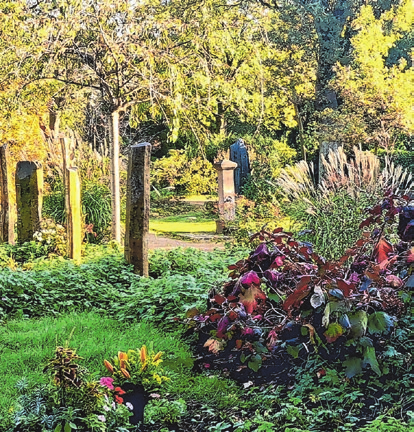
x=268 y=156
x=377 y=96
x=181 y=280
x=186 y=175
x=333 y=219
x=96 y=207
x=165 y=411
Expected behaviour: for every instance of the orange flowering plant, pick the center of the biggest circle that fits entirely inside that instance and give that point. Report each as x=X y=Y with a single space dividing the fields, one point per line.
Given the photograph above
x=140 y=366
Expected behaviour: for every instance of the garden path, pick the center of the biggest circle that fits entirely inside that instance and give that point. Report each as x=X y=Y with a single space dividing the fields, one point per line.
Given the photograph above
x=159 y=242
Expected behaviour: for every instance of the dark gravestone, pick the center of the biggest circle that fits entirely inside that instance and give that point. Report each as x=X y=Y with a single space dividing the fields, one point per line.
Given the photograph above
x=240 y=155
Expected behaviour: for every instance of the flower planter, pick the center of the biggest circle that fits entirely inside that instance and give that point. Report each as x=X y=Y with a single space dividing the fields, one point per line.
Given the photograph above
x=138 y=398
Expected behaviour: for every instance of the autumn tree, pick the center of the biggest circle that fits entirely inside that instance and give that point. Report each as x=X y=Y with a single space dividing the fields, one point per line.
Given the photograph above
x=118 y=49
x=378 y=94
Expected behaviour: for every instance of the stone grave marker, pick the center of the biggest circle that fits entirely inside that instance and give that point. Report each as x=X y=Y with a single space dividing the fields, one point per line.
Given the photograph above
x=7 y=204
x=240 y=155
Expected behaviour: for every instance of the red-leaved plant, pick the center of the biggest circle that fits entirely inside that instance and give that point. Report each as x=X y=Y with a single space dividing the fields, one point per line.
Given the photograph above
x=284 y=283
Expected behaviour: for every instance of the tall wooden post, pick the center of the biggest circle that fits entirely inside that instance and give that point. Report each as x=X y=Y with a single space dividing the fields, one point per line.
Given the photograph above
x=226 y=193
x=73 y=214
x=7 y=201
x=29 y=197
x=138 y=208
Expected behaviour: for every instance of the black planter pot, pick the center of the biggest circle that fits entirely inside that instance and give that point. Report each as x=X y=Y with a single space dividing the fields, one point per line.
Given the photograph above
x=138 y=398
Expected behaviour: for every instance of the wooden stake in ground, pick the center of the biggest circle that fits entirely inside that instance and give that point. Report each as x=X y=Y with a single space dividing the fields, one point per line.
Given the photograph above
x=29 y=198
x=138 y=208
x=73 y=214
x=7 y=202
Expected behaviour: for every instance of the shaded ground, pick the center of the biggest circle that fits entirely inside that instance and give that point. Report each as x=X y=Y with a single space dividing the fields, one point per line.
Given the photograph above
x=159 y=242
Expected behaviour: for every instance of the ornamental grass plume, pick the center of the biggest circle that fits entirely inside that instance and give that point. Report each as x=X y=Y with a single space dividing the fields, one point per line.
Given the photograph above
x=358 y=174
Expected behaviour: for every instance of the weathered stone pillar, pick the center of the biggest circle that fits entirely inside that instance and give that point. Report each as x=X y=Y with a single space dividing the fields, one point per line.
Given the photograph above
x=7 y=201
x=138 y=208
x=227 y=204
x=73 y=214
x=29 y=198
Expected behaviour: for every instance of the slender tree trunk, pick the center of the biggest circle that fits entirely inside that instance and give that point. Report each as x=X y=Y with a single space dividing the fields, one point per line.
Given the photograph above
x=116 y=200
x=301 y=130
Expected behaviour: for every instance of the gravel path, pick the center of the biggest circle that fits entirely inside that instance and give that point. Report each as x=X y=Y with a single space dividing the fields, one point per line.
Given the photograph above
x=157 y=242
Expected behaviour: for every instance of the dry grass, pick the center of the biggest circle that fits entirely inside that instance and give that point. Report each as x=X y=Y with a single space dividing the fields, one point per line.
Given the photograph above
x=361 y=173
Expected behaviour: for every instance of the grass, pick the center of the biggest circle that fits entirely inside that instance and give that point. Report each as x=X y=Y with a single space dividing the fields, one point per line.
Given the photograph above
x=26 y=345
x=203 y=198
x=183 y=227
x=191 y=222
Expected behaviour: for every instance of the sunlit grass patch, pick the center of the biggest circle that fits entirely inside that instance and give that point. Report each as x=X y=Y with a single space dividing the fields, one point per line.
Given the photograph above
x=182 y=227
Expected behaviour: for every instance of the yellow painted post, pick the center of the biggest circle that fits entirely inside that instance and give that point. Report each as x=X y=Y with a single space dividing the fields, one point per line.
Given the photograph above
x=73 y=215
x=7 y=198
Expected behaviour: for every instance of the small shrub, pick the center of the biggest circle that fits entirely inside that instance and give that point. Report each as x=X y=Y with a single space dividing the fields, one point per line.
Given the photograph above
x=165 y=411
x=96 y=208
x=193 y=176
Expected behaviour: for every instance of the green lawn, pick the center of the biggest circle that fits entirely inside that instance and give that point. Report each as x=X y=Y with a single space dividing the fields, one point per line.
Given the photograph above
x=26 y=345
x=193 y=222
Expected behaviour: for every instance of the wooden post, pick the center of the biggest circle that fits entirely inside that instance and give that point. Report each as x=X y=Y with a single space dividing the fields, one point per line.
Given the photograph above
x=7 y=201
x=73 y=214
x=138 y=208
x=29 y=197
x=227 y=204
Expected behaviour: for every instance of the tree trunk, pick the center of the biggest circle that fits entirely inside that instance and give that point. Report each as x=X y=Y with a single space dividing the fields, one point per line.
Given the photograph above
x=115 y=199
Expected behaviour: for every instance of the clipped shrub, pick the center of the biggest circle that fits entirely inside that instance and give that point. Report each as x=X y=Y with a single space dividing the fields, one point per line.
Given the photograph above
x=188 y=176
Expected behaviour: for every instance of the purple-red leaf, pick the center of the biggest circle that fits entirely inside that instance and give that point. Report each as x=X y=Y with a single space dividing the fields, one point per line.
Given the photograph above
x=222 y=326
x=261 y=252
x=299 y=294
x=346 y=287
x=250 y=278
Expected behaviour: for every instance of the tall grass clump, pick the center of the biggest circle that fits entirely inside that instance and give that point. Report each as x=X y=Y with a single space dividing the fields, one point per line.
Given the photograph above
x=333 y=210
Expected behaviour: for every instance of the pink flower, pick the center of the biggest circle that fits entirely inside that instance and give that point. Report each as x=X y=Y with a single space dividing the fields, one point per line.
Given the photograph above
x=155 y=395
x=206 y=365
x=107 y=382
x=102 y=418
x=247 y=331
x=129 y=406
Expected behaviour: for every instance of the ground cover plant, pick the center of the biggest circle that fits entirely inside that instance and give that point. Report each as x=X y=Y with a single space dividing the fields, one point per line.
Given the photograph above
x=316 y=394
